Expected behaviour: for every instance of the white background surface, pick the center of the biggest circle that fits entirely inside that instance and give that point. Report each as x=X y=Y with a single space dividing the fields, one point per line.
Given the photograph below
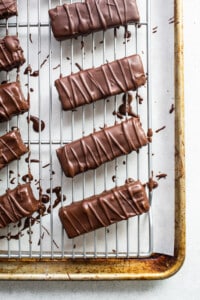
x=186 y=283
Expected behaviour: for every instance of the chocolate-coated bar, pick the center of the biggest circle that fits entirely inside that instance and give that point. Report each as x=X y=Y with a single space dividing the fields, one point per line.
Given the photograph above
x=107 y=80
x=11 y=147
x=8 y=8
x=81 y=18
x=12 y=101
x=104 y=209
x=11 y=53
x=102 y=146
x=17 y=204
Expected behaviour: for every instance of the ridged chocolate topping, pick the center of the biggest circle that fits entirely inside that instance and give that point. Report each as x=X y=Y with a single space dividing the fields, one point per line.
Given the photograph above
x=8 y=8
x=11 y=147
x=11 y=53
x=71 y=20
x=17 y=204
x=104 y=209
x=107 y=80
x=102 y=146
x=12 y=101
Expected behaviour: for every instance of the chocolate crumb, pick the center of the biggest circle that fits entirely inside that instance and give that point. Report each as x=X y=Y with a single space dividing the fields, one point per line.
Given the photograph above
x=161 y=175
x=28 y=70
x=30 y=38
x=12 y=181
x=114 y=178
x=139 y=98
x=162 y=128
x=27 y=177
x=35 y=73
x=45 y=166
x=172 y=109
x=56 y=67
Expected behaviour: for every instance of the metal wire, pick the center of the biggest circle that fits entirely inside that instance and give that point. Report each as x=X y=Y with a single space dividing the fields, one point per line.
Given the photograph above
x=77 y=247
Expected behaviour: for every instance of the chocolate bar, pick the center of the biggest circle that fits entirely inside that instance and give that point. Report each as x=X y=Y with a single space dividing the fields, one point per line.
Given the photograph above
x=12 y=101
x=81 y=18
x=8 y=8
x=101 y=146
x=107 y=80
x=11 y=53
x=11 y=147
x=17 y=204
x=117 y=204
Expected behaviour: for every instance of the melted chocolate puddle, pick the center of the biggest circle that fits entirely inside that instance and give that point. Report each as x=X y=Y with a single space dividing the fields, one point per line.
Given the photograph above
x=36 y=123
x=57 y=191
x=35 y=73
x=125 y=108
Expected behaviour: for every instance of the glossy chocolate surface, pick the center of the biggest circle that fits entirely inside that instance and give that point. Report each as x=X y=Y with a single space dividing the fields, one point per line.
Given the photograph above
x=17 y=204
x=104 y=209
x=12 y=101
x=71 y=20
x=11 y=147
x=102 y=146
x=11 y=53
x=8 y=8
x=107 y=80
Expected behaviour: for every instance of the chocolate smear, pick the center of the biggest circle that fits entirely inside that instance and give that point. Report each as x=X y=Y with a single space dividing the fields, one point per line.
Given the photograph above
x=27 y=177
x=35 y=73
x=152 y=184
x=28 y=70
x=36 y=123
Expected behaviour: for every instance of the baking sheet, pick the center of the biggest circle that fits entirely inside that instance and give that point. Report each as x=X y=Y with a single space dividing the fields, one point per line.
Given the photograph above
x=141 y=236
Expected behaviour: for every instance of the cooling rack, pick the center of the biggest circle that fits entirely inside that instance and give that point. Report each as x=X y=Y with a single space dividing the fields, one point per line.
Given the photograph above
x=127 y=250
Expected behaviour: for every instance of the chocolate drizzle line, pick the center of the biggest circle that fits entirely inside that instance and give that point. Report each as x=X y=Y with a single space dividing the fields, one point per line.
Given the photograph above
x=107 y=80
x=72 y=20
x=102 y=146
x=102 y=210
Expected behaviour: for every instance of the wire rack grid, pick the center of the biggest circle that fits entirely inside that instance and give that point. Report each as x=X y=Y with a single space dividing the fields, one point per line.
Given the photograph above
x=45 y=237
